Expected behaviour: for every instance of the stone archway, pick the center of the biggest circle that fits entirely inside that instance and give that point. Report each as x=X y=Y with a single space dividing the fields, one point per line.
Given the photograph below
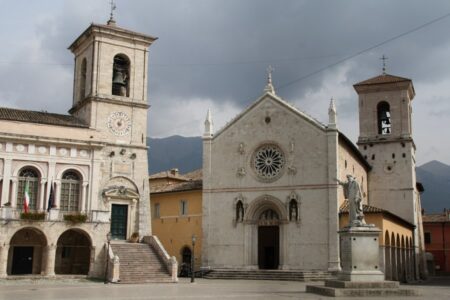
x=265 y=233
x=73 y=253
x=26 y=252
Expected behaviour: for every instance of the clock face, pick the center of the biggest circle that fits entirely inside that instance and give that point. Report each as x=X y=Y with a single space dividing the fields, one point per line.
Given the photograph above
x=119 y=123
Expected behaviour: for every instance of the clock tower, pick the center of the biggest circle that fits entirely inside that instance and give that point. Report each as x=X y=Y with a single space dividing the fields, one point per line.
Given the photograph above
x=110 y=95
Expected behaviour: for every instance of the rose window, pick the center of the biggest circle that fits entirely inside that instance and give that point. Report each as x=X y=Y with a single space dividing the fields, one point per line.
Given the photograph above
x=268 y=162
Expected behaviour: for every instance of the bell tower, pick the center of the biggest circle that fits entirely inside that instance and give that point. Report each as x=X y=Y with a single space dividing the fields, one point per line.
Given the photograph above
x=110 y=82
x=386 y=142
x=110 y=95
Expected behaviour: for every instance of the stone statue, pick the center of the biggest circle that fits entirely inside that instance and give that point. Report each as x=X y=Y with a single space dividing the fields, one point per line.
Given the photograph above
x=352 y=192
x=293 y=211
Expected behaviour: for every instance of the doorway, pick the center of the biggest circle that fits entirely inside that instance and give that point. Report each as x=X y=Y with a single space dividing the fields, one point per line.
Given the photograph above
x=119 y=221
x=22 y=262
x=268 y=247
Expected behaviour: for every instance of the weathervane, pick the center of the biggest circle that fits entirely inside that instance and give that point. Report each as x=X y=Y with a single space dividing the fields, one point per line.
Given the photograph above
x=384 y=58
x=113 y=8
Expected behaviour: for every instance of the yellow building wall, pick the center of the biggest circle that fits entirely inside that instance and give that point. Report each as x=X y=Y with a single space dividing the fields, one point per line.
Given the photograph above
x=174 y=230
x=384 y=223
x=349 y=164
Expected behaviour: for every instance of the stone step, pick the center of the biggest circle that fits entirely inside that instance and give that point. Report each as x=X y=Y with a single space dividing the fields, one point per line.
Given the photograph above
x=139 y=263
x=285 y=275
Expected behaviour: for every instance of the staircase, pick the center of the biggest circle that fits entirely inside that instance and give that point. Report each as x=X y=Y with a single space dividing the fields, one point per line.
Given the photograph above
x=285 y=275
x=140 y=264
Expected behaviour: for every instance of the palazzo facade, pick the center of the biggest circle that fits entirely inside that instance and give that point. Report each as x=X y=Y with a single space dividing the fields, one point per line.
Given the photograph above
x=85 y=172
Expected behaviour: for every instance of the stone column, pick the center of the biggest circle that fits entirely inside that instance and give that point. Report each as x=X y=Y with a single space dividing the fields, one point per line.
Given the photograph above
x=6 y=179
x=50 y=252
x=13 y=194
x=83 y=196
x=4 y=260
x=40 y=204
x=58 y=194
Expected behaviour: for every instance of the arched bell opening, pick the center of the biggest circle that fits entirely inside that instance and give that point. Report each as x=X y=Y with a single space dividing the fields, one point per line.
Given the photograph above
x=73 y=253
x=26 y=252
x=121 y=76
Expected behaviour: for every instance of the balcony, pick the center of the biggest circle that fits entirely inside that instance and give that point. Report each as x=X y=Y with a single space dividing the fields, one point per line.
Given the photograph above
x=54 y=215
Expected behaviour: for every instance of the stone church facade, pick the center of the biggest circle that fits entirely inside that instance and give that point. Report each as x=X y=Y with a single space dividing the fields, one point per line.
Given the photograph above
x=270 y=196
x=94 y=160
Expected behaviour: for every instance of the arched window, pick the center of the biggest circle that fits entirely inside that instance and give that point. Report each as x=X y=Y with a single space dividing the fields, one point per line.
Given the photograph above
x=83 y=80
x=28 y=177
x=70 y=191
x=121 y=76
x=384 y=118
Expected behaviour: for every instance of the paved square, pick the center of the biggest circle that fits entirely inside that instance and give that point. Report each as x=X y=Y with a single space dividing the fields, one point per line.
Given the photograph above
x=438 y=288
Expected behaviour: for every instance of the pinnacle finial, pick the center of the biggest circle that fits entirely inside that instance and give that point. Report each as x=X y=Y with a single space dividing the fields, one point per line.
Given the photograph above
x=332 y=115
x=384 y=58
x=111 y=20
x=269 y=86
x=209 y=131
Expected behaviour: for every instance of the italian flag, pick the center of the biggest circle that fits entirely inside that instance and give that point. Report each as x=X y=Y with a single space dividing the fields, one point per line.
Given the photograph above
x=26 y=198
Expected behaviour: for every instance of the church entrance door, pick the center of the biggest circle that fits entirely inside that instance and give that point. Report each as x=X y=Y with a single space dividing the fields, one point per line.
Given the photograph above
x=268 y=247
x=119 y=220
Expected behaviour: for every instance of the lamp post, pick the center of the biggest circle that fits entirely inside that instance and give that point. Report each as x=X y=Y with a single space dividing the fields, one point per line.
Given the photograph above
x=193 y=258
x=108 y=238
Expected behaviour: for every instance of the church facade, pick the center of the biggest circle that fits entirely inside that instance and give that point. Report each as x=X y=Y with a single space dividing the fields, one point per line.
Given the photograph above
x=270 y=194
x=84 y=175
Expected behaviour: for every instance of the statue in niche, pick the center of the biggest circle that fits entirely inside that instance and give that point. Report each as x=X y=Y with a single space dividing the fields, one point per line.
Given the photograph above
x=239 y=211
x=352 y=192
x=293 y=210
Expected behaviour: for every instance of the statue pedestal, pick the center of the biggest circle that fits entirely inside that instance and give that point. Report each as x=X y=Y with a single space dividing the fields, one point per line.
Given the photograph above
x=360 y=254
x=360 y=275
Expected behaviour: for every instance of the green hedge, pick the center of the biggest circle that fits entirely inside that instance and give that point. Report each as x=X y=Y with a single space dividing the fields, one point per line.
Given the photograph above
x=35 y=216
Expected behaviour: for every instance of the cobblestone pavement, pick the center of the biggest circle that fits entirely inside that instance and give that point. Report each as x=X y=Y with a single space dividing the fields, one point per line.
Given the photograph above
x=436 y=289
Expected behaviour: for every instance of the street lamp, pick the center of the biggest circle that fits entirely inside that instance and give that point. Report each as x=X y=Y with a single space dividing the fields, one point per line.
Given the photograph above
x=108 y=238
x=193 y=258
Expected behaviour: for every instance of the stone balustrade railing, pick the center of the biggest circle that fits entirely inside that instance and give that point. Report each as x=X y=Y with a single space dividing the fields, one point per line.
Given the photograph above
x=171 y=262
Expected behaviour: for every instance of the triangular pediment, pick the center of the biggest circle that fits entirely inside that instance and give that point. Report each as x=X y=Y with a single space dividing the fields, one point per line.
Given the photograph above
x=269 y=97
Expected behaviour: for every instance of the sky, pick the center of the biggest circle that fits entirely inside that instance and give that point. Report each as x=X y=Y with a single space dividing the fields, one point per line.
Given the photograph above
x=214 y=54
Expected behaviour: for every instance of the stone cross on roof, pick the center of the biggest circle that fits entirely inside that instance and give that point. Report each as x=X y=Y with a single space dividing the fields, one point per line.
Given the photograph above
x=111 y=20
x=384 y=58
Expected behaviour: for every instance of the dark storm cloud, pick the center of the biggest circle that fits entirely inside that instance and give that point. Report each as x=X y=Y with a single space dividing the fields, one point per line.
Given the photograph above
x=216 y=51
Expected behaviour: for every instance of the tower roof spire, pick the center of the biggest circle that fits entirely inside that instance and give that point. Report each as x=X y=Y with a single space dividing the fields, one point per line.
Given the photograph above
x=269 y=86
x=111 y=20
x=209 y=131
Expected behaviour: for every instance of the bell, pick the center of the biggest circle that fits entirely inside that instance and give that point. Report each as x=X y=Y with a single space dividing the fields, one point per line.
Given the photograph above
x=385 y=118
x=119 y=78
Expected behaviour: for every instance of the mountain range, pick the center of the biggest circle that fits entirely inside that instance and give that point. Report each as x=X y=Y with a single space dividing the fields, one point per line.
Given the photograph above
x=185 y=154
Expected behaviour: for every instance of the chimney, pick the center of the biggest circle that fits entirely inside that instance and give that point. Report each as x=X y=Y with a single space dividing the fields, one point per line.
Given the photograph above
x=174 y=172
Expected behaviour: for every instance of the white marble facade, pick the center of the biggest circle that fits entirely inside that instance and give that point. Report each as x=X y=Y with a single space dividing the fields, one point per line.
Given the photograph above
x=270 y=198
